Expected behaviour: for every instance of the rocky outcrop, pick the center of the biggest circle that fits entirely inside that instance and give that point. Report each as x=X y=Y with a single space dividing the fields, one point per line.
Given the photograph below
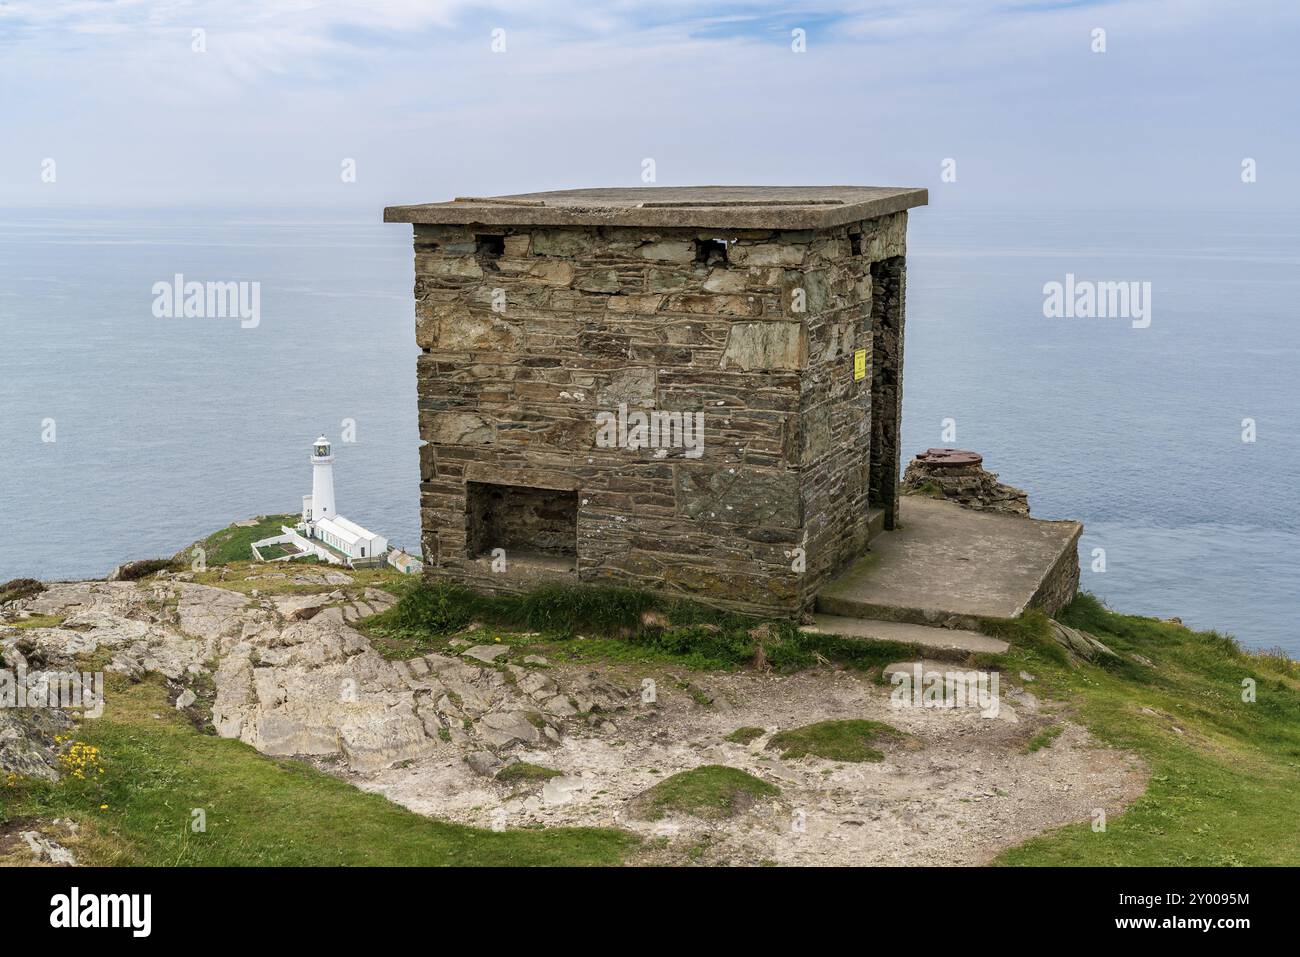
x=292 y=676
x=958 y=476
x=27 y=741
x=17 y=588
x=1080 y=643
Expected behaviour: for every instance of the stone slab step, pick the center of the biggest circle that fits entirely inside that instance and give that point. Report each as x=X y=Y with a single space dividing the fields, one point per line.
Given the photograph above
x=940 y=642
x=949 y=566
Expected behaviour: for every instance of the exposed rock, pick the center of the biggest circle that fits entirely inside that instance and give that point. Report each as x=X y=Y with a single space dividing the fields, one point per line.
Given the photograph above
x=560 y=706
x=17 y=588
x=484 y=762
x=1080 y=642
x=486 y=653
x=46 y=850
x=534 y=684
x=27 y=745
x=372 y=738
x=131 y=571
x=969 y=485
x=503 y=728
x=287 y=682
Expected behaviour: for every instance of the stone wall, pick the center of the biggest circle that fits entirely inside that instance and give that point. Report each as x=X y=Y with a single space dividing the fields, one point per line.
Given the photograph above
x=1061 y=583
x=528 y=333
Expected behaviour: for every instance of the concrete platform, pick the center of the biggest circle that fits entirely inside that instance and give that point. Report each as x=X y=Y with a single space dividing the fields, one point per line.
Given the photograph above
x=949 y=566
x=713 y=207
x=947 y=643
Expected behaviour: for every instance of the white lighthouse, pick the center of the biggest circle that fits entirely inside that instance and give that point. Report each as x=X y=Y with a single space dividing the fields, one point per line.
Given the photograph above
x=320 y=504
x=326 y=534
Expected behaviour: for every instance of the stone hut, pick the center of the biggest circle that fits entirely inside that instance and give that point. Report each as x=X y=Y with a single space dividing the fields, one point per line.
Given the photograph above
x=690 y=389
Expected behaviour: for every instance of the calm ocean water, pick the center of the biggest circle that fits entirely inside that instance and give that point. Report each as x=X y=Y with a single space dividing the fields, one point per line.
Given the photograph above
x=168 y=429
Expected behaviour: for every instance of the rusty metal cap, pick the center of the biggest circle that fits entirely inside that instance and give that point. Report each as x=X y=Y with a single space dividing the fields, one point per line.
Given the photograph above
x=949 y=458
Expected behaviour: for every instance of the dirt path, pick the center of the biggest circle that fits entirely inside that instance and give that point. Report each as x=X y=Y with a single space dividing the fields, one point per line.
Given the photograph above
x=958 y=790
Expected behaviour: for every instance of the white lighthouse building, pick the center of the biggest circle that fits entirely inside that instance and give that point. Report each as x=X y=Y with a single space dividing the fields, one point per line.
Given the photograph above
x=323 y=532
x=320 y=503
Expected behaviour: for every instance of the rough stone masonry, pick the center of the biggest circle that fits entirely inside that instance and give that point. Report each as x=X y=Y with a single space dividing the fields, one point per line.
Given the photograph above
x=776 y=312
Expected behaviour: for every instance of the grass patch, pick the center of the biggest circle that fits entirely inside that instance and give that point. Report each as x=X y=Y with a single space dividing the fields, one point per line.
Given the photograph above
x=1223 y=785
x=35 y=621
x=247 y=576
x=927 y=489
x=1043 y=739
x=744 y=735
x=134 y=571
x=851 y=740
x=711 y=791
x=259 y=811
x=522 y=771
x=235 y=542
x=615 y=625
x=17 y=588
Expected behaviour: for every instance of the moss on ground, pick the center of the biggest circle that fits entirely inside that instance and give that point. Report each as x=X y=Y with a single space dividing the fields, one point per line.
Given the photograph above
x=35 y=621
x=851 y=740
x=710 y=791
x=522 y=771
x=1043 y=739
x=278 y=579
x=744 y=735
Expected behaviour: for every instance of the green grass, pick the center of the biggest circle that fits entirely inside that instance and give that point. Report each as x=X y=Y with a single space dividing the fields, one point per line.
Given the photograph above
x=523 y=771
x=35 y=621
x=610 y=622
x=260 y=811
x=235 y=543
x=851 y=740
x=710 y=791
x=1223 y=792
x=17 y=588
x=744 y=735
x=247 y=576
x=1043 y=739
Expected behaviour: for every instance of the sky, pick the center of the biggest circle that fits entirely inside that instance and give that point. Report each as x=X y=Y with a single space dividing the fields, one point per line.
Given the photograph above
x=123 y=103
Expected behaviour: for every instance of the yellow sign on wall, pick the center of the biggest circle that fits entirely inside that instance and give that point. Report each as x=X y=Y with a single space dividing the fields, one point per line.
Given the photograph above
x=860 y=364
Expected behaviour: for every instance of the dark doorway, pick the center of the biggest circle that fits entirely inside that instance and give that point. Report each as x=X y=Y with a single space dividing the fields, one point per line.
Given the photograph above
x=887 y=288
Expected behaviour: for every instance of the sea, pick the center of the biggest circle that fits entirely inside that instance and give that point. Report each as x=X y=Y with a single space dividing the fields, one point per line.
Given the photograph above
x=1173 y=436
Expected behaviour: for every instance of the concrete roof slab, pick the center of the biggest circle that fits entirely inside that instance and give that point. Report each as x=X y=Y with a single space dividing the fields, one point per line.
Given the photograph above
x=711 y=207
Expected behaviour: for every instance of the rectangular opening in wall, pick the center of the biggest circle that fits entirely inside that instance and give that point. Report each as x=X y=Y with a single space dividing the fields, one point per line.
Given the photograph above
x=530 y=524
x=887 y=277
x=489 y=246
x=712 y=252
